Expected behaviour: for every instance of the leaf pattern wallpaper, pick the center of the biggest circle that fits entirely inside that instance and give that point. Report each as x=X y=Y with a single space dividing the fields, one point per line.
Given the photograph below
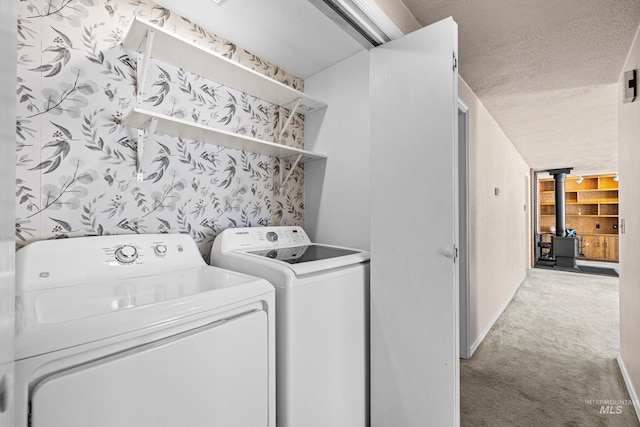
x=76 y=162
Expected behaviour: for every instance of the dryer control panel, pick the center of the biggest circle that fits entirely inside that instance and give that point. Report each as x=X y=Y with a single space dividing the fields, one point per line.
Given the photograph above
x=63 y=262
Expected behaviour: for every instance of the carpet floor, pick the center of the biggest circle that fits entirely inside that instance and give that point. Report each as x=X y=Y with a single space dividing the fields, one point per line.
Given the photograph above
x=550 y=359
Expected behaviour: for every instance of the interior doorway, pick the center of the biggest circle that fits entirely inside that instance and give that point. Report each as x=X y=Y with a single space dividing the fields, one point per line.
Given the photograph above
x=463 y=264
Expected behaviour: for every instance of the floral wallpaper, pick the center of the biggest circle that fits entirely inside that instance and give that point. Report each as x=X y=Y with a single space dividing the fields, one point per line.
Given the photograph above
x=76 y=162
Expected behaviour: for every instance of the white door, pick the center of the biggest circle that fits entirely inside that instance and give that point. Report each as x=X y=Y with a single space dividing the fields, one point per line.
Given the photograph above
x=7 y=200
x=216 y=375
x=414 y=289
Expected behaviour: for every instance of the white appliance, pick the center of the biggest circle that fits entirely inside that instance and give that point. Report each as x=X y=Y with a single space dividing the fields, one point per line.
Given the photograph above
x=138 y=330
x=322 y=321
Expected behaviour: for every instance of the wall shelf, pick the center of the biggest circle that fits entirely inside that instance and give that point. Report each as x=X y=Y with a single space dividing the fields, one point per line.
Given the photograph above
x=172 y=126
x=151 y=41
x=174 y=49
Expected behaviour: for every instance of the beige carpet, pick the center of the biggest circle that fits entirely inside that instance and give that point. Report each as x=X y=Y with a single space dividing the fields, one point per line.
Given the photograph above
x=550 y=359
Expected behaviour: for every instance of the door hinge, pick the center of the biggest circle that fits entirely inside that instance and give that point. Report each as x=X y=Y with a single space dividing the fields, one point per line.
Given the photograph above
x=452 y=253
x=455 y=61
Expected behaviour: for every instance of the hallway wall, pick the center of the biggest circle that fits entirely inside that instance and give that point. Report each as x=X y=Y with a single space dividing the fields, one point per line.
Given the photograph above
x=499 y=225
x=629 y=149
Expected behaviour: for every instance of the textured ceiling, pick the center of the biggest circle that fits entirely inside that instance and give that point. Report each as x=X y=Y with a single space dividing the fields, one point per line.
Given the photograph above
x=547 y=71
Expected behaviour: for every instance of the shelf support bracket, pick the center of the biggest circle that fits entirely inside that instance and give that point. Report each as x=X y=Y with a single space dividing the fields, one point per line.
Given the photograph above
x=290 y=118
x=293 y=166
x=150 y=129
x=142 y=62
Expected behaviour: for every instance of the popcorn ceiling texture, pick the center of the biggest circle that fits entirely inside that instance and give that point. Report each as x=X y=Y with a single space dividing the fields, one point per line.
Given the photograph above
x=547 y=71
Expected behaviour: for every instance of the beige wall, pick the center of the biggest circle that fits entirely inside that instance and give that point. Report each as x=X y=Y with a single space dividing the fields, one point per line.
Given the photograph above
x=629 y=151
x=399 y=14
x=499 y=225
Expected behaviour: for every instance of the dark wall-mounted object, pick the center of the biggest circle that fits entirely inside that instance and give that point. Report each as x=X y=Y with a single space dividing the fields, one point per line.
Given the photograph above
x=629 y=86
x=559 y=176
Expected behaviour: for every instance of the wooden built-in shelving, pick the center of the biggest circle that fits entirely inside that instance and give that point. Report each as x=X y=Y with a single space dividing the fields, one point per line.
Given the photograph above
x=591 y=209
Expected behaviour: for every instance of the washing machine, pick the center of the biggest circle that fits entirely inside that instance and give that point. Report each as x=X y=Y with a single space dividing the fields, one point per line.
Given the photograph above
x=321 y=321
x=139 y=330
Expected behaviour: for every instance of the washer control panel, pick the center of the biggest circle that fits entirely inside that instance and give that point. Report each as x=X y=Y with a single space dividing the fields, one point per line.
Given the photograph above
x=262 y=237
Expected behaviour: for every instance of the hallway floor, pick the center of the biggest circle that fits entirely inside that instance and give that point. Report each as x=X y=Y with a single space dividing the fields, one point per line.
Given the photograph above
x=550 y=359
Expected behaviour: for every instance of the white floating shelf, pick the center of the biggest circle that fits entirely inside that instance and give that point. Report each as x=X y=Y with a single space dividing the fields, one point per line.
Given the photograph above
x=174 y=49
x=166 y=125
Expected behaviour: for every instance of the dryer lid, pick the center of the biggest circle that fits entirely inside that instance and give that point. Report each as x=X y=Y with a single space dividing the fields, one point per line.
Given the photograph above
x=53 y=319
x=78 y=290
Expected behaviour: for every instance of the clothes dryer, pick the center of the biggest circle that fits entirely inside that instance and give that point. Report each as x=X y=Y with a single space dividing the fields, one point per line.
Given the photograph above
x=322 y=321
x=138 y=330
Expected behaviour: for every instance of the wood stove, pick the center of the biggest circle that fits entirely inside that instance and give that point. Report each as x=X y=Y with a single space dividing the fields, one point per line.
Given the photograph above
x=564 y=249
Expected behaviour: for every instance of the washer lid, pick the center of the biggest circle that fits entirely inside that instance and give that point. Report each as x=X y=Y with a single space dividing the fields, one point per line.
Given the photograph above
x=306 y=253
x=61 y=317
x=311 y=258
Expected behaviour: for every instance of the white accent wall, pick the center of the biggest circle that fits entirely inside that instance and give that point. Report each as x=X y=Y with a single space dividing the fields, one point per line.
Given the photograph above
x=629 y=149
x=499 y=225
x=337 y=192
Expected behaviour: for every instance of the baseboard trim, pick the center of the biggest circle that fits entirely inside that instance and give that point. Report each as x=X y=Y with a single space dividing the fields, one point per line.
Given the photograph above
x=629 y=384
x=486 y=330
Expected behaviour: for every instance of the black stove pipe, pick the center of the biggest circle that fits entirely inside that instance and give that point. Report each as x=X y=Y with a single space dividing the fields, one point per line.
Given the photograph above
x=559 y=176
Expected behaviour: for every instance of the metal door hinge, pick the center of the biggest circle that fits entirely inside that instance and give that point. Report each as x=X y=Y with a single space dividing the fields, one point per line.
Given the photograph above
x=455 y=61
x=452 y=253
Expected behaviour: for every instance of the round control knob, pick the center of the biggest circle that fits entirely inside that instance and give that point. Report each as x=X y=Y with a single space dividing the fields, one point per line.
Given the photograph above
x=272 y=236
x=160 y=250
x=126 y=254
x=272 y=254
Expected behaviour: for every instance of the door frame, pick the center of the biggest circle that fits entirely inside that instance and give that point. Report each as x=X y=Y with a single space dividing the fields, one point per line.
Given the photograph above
x=464 y=228
x=8 y=72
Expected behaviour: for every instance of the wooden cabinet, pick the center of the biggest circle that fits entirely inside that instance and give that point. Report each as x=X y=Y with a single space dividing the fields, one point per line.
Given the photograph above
x=599 y=248
x=611 y=245
x=591 y=209
x=591 y=247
